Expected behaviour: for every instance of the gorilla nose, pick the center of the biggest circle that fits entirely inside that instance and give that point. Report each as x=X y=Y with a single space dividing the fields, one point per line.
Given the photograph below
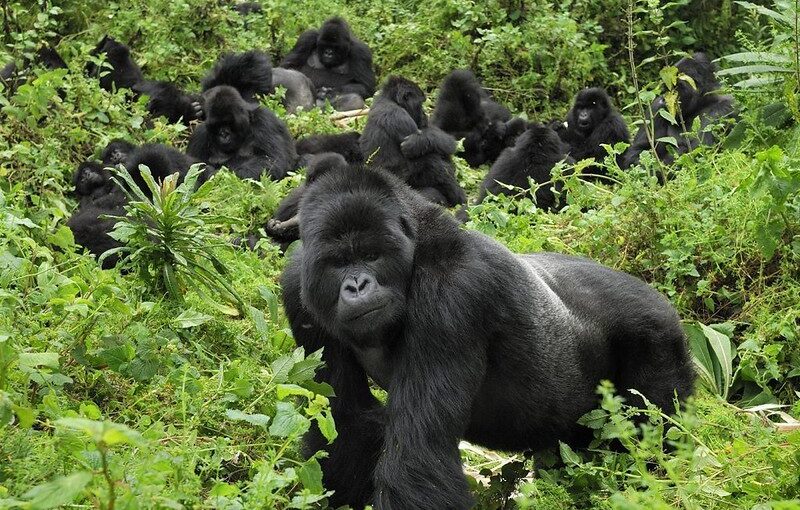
x=357 y=288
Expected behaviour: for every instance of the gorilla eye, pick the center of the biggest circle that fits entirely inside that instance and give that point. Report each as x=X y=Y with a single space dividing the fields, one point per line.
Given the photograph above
x=371 y=256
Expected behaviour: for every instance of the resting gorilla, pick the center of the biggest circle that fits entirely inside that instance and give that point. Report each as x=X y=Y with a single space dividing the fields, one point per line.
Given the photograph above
x=397 y=137
x=535 y=154
x=250 y=73
x=116 y=152
x=162 y=162
x=284 y=226
x=346 y=144
x=469 y=340
x=701 y=103
x=339 y=65
x=243 y=136
x=300 y=91
x=592 y=121
x=465 y=110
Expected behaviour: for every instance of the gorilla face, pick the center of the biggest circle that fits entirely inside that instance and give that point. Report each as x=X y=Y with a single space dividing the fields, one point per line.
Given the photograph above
x=701 y=71
x=88 y=177
x=358 y=253
x=227 y=118
x=116 y=152
x=591 y=107
x=333 y=44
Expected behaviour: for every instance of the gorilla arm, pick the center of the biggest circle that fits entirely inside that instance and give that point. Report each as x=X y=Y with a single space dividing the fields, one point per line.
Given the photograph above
x=429 y=140
x=303 y=48
x=437 y=374
x=363 y=77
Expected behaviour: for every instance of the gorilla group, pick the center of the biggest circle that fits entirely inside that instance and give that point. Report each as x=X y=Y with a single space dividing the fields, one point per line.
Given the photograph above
x=469 y=340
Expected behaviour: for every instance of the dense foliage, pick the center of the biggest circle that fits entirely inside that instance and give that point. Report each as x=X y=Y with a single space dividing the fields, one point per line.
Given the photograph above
x=130 y=388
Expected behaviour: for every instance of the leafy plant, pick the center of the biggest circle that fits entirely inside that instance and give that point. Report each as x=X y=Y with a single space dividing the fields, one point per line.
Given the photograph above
x=713 y=355
x=166 y=242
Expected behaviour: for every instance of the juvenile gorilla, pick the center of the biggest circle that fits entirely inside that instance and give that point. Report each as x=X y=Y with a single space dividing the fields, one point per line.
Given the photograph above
x=243 y=136
x=124 y=72
x=116 y=152
x=338 y=64
x=397 y=137
x=469 y=340
x=701 y=103
x=535 y=154
x=465 y=110
x=592 y=121
x=162 y=161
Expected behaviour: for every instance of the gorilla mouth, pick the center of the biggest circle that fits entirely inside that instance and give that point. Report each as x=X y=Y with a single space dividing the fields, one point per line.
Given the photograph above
x=583 y=123
x=367 y=313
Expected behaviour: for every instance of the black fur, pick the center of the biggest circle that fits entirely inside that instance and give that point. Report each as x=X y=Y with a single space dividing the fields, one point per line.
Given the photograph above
x=116 y=152
x=162 y=161
x=46 y=56
x=124 y=72
x=397 y=137
x=92 y=181
x=346 y=144
x=167 y=100
x=284 y=226
x=703 y=103
x=469 y=340
x=248 y=8
x=245 y=137
x=465 y=110
x=593 y=121
x=535 y=154
x=338 y=64
x=250 y=73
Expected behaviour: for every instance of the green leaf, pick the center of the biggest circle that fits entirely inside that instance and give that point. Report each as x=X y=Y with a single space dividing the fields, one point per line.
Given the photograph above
x=310 y=475
x=38 y=359
x=326 y=425
x=61 y=491
x=751 y=69
x=568 y=455
x=288 y=421
x=260 y=420
x=62 y=238
x=190 y=319
x=105 y=432
x=284 y=390
x=758 y=57
x=281 y=368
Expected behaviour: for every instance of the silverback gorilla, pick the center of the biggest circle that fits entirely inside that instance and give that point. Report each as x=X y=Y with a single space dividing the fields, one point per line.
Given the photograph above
x=469 y=340
x=339 y=65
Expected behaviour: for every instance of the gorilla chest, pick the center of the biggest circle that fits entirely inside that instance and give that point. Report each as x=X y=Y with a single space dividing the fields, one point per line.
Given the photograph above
x=321 y=76
x=375 y=362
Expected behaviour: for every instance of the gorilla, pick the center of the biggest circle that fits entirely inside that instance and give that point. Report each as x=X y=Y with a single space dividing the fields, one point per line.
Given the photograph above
x=284 y=227
x=465 y=110
x=124 y=72
x=469 y=341
x=701 y=103
x=592 y=121
x=300 y=91
x=162 y=161
x=169 y=101
x=397 y=137
x=46 y=57
x=346 y=144
x=116 y=152
x=535 y=154
x=338 y=64
x=250 y=73
x=248 y=8
x=243 y=136
x=92 y=182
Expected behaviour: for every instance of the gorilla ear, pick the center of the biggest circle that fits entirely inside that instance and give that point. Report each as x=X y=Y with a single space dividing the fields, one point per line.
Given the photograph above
x=407 y=228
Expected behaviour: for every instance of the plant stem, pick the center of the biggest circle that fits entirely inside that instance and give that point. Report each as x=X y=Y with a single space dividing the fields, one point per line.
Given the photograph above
x=112 y=494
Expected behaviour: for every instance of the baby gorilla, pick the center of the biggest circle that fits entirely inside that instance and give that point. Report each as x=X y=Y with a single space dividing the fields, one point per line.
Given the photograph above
x=535 y=154
x=591 y=122
x=397 y=137
x=245 y=137
x=469 y=341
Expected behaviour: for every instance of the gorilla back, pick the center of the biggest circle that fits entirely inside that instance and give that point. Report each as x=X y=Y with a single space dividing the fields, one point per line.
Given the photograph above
x=469 y=340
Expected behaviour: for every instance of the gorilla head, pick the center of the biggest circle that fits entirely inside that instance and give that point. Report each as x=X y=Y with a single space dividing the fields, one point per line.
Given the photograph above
x=116 y=152
x=89 y=178
x=463 y=89
x=227 y=118
x=333 y=44
x=408 y=96
x=359 y=255
x=591 y=107
x=701 y=70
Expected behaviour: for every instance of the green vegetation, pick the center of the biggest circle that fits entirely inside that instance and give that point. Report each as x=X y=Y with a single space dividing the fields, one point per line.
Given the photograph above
x=173 y=382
